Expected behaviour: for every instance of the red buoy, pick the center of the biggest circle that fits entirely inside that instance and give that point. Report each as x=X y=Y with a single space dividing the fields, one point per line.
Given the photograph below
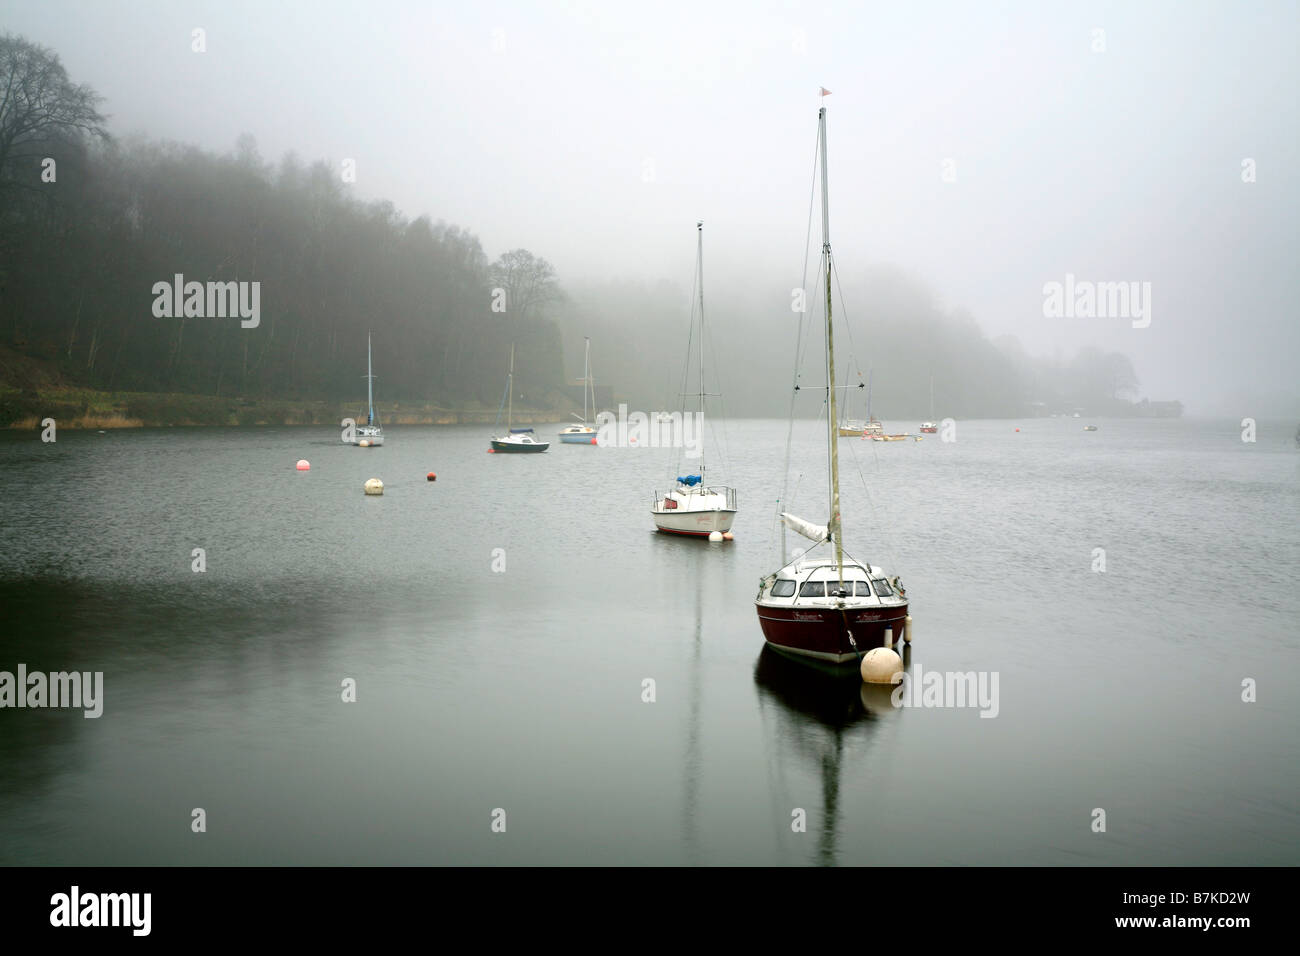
x=431 y=477
x=491 y=450
x=593 y=441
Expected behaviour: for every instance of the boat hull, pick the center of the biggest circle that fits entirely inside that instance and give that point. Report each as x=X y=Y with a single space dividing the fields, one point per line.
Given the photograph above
x=512 y=448
x=823 y=633
x=581 y=438
x=694 y=523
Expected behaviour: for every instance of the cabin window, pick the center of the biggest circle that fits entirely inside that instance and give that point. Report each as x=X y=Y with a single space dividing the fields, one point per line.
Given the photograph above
x=882 y=588
x=813 y=589
x=784 y=587
x=864 y=589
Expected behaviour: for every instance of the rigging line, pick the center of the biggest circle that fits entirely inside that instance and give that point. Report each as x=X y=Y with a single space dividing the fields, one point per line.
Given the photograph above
x=886 y=541
x=875 y=452
x=724 y=461
x=803 y=316
x=686 y=371
x=844 y=310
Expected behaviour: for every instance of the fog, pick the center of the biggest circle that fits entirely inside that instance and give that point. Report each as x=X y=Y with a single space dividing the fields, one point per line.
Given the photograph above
x=979 y=151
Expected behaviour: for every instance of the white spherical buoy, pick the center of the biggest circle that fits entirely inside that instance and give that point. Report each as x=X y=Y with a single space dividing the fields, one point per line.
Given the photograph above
x=364 y=443
x=907 y=629
x=879 y=666
x=715 y=535
x=374 y=486
x=304 y=464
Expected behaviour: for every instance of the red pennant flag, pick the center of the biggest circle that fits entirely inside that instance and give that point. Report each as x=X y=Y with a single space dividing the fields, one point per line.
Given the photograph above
x=825 y=92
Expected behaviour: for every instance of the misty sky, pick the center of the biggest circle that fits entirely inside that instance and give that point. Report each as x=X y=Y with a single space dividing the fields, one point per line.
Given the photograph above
x=597 y=134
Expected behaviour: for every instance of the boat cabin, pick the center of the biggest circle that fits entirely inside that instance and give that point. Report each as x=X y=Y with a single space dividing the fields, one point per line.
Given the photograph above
x=818 y=583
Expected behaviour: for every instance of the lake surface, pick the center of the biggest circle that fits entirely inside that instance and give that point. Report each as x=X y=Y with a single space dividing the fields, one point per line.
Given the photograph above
x=521 y=689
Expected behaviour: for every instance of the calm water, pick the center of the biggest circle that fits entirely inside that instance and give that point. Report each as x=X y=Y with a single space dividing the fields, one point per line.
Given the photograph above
x=522 y=689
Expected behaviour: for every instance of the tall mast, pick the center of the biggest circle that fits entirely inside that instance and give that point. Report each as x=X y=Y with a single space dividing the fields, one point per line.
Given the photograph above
x=833 y=525
x=510 y=390
x=370 y=383
x=586 y=381
x=699 y=228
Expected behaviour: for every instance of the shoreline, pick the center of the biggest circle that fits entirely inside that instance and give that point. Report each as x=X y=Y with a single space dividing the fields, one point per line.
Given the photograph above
x=89 y=410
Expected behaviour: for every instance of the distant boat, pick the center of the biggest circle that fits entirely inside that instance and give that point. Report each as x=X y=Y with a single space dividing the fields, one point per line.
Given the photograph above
x=515 y=439
x=1090 y=428
x=694 y=506
x=930 y=428
x=856 y=428
x=835 y=608
x=583 y=434
x=369 y=435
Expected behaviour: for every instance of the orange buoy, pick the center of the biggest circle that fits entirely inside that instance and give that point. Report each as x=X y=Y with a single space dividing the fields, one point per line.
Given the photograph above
x=593 y=441
x=304 y=464
x=431 y=477
x=491 y=450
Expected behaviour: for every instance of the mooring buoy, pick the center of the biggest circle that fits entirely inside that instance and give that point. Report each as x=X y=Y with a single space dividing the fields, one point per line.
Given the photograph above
x=879 y=665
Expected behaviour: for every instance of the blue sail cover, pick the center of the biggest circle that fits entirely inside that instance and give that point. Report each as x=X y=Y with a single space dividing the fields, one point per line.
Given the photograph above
x=690 y=481
x=519 y=431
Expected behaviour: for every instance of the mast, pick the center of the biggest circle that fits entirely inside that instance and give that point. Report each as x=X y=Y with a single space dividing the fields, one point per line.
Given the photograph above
x=931 y=398
x=370 y=383
x=833 y=525
x=586 y=382
x=699 y=228
x=510 y=389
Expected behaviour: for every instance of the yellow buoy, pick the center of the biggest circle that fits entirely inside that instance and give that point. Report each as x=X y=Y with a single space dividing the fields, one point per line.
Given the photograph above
x=879 y=665
x=374 y=486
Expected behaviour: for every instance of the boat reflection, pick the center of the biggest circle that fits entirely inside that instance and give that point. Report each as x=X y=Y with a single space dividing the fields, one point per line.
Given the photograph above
x=815 y=710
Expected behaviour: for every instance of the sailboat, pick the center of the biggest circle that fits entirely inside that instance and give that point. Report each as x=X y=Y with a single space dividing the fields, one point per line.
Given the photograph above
x=515 y=439
x=834 y=608
x=868 y=429
x=930 y=428
x=371 y=434
x=583 y=434
x=694 y=506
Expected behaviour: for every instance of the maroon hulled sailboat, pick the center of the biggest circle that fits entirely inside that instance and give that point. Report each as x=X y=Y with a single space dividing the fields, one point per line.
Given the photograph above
x=833 y=608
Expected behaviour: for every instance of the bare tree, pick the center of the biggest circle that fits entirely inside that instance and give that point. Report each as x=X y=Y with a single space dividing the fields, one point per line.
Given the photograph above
x=39 y=104
x=528 y=281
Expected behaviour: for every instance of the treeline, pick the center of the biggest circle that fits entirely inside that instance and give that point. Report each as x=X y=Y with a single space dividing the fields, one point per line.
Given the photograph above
x=891 y=333
x=89 y=226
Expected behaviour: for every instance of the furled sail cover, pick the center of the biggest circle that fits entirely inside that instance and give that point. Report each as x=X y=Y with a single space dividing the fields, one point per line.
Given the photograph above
x=813 y=532
x=690 y=481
